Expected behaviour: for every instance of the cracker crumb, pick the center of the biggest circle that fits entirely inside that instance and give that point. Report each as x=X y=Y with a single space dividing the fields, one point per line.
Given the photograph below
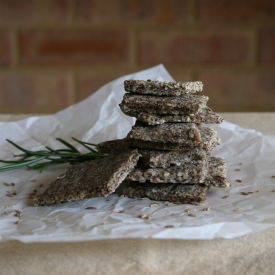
x=11 y=193
x=225 y=197
x=18 y=213
x=238 y=180
x=249 y=192
x=143 y=216
x=90 y=208
x=169 y=226
x=206 y=209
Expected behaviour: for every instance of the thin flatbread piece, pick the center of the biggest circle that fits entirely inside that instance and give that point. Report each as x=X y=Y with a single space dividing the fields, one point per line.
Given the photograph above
x=162 y=88
x=96 y=178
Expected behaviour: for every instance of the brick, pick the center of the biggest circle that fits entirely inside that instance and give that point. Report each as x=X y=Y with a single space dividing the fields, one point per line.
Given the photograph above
x=5 y=48
x=33 y=93
x=267 y=46
x=226 y=11
x=194 y=48
x=239 y=91
x=33 y=11
x=134 y=11
x=74 y=47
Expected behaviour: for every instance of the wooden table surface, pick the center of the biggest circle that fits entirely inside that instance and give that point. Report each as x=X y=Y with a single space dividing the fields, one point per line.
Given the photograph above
x=252 y=254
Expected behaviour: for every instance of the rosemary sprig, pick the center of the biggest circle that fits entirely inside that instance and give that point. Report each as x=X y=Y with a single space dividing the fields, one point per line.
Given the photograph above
x=38 y=160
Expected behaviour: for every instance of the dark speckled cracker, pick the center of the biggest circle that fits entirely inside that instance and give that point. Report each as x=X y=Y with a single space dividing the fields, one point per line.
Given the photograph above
x=99 y=177
x=154 y=158
x=177 y=105
x=194 y=171
x=165 y=159
x=177 y=193
x=206 y=115
x=173 y=136
x=162 y=88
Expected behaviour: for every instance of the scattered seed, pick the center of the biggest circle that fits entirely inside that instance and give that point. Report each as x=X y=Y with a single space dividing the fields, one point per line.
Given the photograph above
x=169 y=226
x=16 y=222
x=18 y=213
x=237 y=209
x=153 y=205
x=11 y=194
x=273 y=177
x=41 y=185
x=9 y=184
x=206 y=209
x=240 y=163
x=237 y=180
x=119 y=211
x=272 y=190
x=143 y=216
x=225 y=197
x=90 y=208
x=237 y=169
x=249 y=192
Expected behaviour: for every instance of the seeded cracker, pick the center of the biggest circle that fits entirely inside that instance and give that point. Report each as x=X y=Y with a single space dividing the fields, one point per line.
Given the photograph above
x=206 y=115
x=195 y=172
x=99 y=177
x=173 y=136
x=177 y=193
x=152 y=158
x=217 y=173
x=162 y=88
x=177 y=105
x=165 y=159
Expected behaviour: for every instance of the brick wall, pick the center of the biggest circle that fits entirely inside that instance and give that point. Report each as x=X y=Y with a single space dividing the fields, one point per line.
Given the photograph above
x=54 y=53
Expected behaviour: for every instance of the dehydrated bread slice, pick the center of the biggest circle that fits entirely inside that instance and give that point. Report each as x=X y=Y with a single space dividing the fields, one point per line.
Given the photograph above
x=176 y=105
x=194 y=171
x=177 y=193
x=217 y=173
x=206 y=115
x=114 y=146
x=152 y=158
x=165 y=159
x=173 y=136
x=99 y=177
x=162 y=88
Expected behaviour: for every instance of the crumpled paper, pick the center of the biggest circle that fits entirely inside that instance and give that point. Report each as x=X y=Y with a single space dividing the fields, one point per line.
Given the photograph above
x=247 y=207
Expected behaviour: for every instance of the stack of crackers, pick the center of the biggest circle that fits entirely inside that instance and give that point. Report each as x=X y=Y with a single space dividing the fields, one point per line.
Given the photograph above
x=166 y=156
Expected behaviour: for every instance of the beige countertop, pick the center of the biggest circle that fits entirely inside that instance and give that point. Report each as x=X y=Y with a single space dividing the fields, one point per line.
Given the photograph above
x=252 y=254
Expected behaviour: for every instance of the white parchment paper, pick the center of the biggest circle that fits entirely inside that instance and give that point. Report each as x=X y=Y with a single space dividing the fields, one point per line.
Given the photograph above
x=230 y=213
